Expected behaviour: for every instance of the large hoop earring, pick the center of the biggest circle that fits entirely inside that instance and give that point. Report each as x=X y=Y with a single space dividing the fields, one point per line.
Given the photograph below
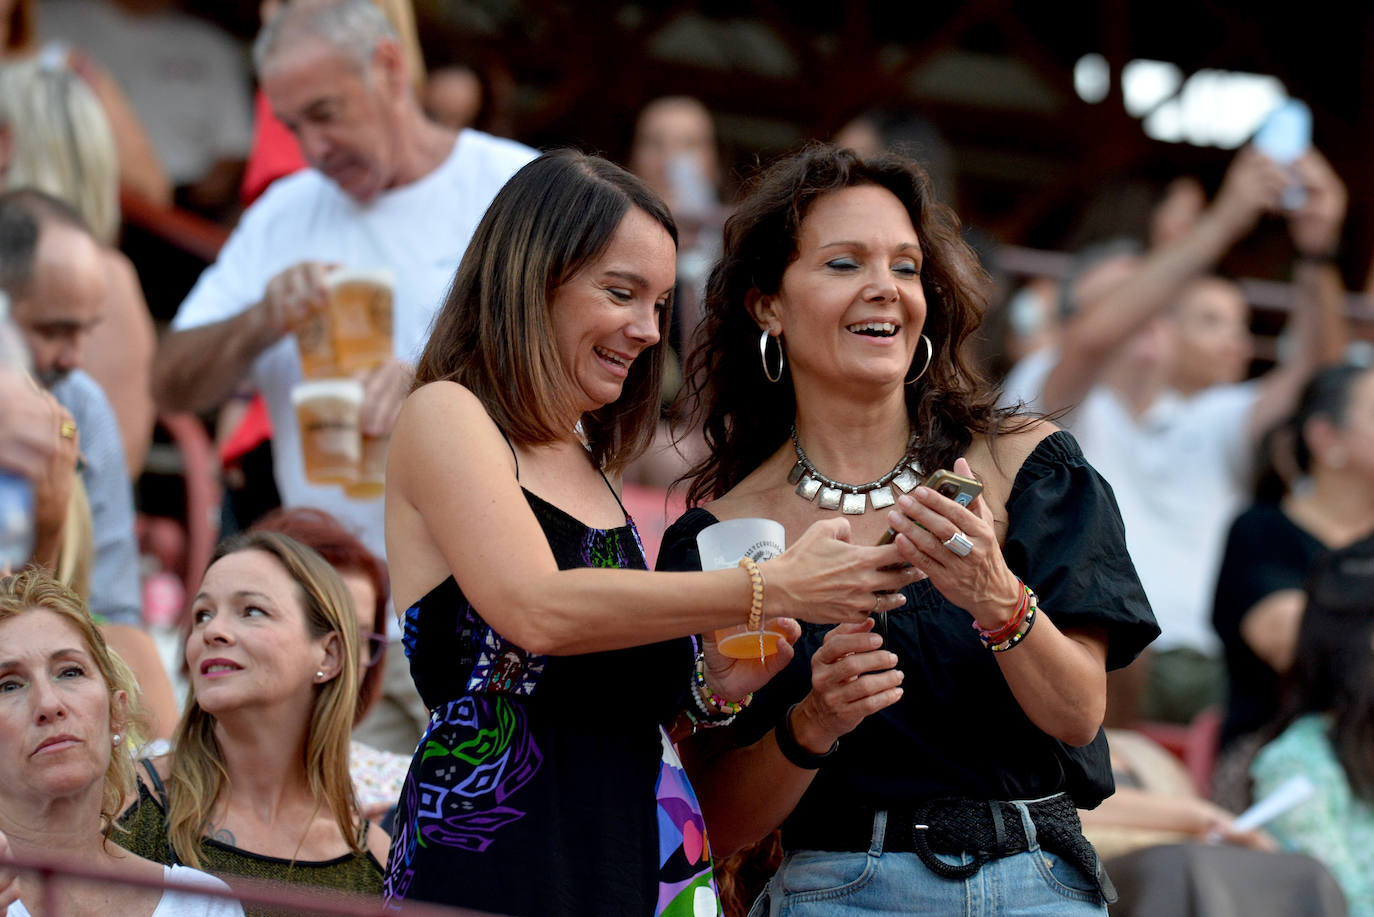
x=763 y=355
x=930 y=353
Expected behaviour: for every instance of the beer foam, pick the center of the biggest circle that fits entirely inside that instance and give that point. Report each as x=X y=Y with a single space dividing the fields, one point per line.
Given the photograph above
x=379 y=276
x=342 y=389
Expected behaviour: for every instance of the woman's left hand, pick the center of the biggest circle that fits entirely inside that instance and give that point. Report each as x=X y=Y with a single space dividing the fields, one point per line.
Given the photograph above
x=978 y=581
x=732 y=679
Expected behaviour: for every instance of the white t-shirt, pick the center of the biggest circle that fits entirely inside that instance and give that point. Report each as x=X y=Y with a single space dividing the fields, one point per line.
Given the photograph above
x=178 y=903
x=1180 y=474
x=186 y=79
x=419 y=231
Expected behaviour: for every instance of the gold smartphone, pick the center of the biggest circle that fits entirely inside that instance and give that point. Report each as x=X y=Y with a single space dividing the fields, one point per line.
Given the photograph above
x=947 y=484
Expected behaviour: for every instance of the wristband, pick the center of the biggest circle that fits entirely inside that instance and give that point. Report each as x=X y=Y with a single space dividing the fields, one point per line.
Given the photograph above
x=791 y=749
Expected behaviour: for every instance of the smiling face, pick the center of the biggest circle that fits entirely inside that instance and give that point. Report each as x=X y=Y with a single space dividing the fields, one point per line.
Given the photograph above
x=347 y=120
x=608 y=313
x=249 y=645
x=851 y=307
x=56 y=734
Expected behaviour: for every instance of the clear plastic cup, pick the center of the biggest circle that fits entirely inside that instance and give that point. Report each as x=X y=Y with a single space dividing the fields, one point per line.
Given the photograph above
x=723 y=545
x=360 y=312
x=331 y=444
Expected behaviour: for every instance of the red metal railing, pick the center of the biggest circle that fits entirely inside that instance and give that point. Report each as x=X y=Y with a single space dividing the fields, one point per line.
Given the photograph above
x=293 y=899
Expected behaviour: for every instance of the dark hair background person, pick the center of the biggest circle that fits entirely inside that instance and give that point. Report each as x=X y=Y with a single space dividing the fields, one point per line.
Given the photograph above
x=854 y=272
x=1326 y=729
x=529 y=614
x=1315 y=493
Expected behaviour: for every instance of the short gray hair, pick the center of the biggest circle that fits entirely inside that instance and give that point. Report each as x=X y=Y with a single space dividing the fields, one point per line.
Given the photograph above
x=353 y=26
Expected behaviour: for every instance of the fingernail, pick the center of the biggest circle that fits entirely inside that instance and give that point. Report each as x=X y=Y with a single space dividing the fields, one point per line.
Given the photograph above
x=874 y=640
x=891 y=658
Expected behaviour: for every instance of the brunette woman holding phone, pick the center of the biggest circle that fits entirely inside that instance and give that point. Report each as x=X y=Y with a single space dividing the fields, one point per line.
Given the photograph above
x=944 y=762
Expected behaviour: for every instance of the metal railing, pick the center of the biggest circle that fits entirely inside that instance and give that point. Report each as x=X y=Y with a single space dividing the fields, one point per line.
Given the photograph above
x=51 y=873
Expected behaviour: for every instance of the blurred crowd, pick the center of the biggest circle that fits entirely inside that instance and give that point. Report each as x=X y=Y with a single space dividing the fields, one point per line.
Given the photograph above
x=1245 y=480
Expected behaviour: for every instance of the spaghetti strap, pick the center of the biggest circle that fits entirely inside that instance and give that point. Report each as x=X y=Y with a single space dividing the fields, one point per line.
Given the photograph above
x=158 y=786
x=512 y=452
x=625 y=511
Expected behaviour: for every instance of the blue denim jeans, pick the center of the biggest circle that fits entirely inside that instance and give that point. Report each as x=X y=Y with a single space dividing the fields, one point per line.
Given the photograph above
x=1034 y=883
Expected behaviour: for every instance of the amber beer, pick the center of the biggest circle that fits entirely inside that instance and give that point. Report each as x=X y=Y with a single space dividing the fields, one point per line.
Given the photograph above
x=331 y=445
x=371 y=480
x=316 y=345
x=360 y=306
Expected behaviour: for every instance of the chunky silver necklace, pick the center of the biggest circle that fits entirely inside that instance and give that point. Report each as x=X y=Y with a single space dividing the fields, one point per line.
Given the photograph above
x=852 y=499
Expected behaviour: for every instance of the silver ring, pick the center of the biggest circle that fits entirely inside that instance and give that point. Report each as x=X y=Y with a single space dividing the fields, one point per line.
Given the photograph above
x=959 y=543
x=877 y=603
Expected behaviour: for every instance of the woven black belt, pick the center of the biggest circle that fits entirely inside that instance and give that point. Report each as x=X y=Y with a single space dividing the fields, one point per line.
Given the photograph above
x=986 y=829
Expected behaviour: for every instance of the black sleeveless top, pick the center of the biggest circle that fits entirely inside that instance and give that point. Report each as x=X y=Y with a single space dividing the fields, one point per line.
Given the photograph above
x=546 y=784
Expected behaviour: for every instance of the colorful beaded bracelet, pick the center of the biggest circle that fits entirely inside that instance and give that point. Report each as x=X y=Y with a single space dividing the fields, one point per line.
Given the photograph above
x=1025 y=627
x=706 y=699
x=989 y=637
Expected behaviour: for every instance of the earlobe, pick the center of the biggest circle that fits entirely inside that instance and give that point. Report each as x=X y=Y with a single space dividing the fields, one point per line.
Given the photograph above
x=764 y=312
x=331 y=663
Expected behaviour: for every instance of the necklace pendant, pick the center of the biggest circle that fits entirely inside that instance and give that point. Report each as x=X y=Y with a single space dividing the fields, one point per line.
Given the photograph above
x=830 y=498
x=808 y=487
x=796 y=473
x=853 y=504
x=907 y=480
x=881 y=497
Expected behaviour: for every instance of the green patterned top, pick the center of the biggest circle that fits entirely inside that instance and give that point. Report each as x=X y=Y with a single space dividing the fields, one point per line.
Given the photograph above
x=145 y=833
x=1334 y=825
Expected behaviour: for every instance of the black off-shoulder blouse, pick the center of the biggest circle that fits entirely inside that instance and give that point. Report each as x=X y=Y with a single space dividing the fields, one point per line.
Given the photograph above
x=958 y=730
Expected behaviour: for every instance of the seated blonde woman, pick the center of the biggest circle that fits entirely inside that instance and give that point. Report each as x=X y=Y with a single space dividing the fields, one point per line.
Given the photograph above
x=67 y=718
x=258 y=784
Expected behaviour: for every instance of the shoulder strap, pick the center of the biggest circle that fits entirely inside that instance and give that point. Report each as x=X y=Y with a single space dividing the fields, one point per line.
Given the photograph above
x=158 y=786
x=613 y=493
x=512 y=452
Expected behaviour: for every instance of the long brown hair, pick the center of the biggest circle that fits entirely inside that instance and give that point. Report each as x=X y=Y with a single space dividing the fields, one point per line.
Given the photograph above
x=198 y=777
x=494 y=334
x=743 y=416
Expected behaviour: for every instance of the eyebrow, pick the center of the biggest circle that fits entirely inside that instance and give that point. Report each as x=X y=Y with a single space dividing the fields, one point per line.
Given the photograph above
x=850 y=243
x=66 y=653
x=240 y=594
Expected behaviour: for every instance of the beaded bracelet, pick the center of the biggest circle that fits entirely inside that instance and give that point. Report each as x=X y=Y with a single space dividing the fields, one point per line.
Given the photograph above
x=707 y=699
x=756 y=584
x=1026 y=624
x=989 y=637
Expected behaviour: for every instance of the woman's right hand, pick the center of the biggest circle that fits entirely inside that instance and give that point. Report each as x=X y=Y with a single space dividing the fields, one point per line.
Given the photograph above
x=852 y=677
x=824 y=579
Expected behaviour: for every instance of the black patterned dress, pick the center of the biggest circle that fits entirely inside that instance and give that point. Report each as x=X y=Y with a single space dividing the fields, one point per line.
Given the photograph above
x=546 y=784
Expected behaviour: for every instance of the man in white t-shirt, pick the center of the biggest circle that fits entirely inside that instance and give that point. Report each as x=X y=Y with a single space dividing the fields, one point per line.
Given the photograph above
x=389 y=189
x=1150 y=371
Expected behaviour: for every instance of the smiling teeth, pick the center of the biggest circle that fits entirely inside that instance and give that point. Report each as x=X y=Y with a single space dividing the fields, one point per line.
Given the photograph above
x=220 y=668
x=881 y=327
x=607 y=355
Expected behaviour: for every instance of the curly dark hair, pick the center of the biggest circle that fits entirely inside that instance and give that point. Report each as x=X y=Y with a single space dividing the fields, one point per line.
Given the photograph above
x=745 y=418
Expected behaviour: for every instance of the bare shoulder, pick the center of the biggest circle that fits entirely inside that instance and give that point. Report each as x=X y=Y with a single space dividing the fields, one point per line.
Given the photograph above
x=999 y=458
x=378 y=842
x=446 y=421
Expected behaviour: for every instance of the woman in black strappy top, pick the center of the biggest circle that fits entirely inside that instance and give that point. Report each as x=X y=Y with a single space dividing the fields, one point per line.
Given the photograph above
x=550 y=659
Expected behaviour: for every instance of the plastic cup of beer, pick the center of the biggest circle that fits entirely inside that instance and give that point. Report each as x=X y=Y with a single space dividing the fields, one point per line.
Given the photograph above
x=316 y=344
x=331 y=444
x=723 y=545
x=360 y=306
x=371 y=482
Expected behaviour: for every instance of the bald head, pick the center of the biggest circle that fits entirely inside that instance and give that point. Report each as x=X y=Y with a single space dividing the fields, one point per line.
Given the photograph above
x=54 y=272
